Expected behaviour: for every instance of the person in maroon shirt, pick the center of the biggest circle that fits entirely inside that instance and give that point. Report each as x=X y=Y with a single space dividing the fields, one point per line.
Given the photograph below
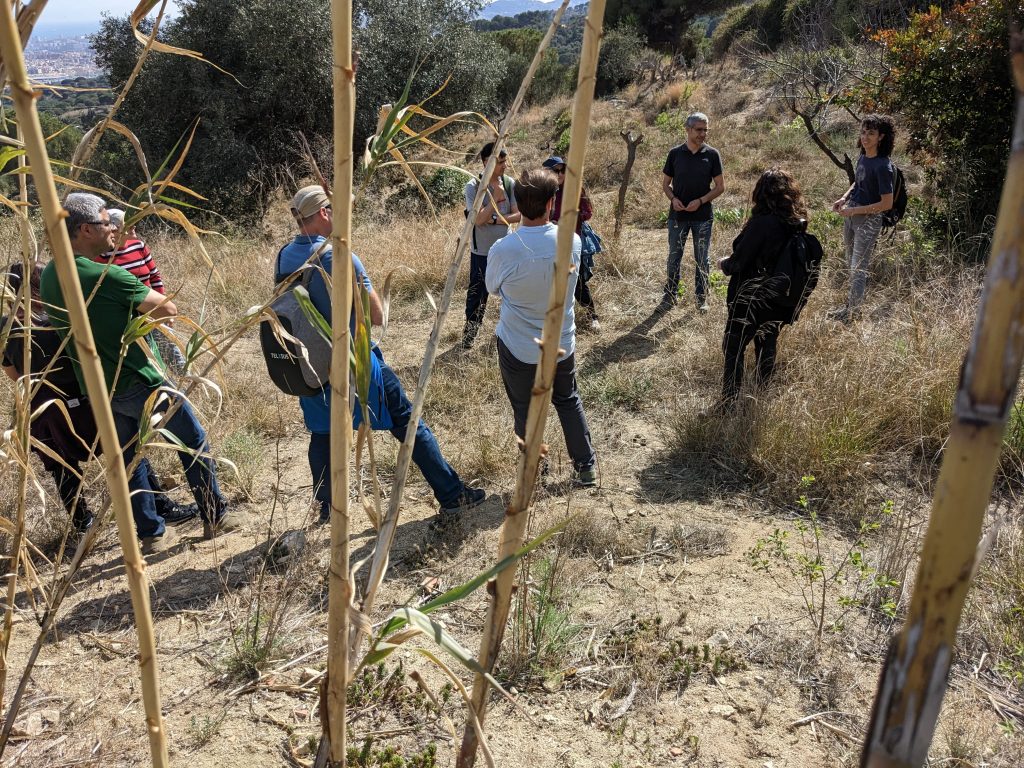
x=584 y=300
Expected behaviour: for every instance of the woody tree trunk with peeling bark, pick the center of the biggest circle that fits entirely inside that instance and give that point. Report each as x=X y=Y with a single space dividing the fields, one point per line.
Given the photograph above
x=913 y=680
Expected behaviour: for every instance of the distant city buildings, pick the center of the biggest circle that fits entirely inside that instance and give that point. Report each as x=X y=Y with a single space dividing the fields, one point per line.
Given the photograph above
x=59 y=58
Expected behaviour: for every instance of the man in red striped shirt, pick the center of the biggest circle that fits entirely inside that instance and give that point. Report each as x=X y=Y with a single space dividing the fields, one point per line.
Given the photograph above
x=134 y=255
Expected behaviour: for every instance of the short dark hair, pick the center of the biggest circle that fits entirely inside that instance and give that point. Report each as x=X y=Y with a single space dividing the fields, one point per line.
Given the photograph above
x=533 y=190
x=886 y=132
x=488 y=149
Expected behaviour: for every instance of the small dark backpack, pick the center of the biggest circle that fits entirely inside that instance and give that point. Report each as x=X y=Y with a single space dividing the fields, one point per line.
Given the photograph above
x=298 y=358
x=796 y=272
x=892 y=217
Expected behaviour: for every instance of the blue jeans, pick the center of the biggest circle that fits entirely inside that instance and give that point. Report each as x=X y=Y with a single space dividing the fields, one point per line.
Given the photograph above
x=426 y=454
x=677 y=232
x=200 y=471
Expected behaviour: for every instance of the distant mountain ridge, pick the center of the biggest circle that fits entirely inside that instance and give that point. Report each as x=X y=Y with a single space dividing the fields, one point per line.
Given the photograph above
x=514 y=7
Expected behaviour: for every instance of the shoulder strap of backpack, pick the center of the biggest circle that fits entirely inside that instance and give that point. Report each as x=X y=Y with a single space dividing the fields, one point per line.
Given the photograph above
x=506 y=183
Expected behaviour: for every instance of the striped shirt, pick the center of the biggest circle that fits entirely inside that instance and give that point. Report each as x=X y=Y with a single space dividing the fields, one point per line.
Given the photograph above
x=136 y=258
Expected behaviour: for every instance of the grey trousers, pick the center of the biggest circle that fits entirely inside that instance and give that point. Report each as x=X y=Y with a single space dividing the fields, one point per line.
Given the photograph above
x=859 y=236
x=518 y=379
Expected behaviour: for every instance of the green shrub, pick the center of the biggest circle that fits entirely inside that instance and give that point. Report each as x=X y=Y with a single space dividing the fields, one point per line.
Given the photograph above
x=446 y=187
x=621 y=49
x=760 y=23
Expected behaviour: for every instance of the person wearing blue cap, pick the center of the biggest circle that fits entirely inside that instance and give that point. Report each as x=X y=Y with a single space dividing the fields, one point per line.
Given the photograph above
x=587 y=314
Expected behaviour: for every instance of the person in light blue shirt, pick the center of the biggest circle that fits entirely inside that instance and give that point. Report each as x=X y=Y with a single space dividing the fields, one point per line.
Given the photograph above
x=389 y=407
x=520 y=268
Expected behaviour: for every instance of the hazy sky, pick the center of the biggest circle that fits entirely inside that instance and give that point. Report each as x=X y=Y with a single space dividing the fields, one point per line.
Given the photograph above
x=57 y=11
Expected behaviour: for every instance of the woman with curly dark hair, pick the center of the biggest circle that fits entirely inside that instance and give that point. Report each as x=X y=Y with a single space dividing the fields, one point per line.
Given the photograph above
x=870 y=196
x=755 y=314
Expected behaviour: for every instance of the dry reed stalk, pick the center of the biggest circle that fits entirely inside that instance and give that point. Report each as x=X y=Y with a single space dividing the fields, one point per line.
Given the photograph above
x=386 y=537
x=513 y=531
x=340 y=580
x=27 y=16
x=93 y=139
x=23 y=419
x=913 y=679
x=117 y=480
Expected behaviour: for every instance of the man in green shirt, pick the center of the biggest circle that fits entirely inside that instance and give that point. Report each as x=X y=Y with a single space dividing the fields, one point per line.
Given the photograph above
x=117 y=297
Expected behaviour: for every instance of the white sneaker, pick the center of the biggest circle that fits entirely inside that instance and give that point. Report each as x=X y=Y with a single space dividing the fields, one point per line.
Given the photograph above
x=595 y=325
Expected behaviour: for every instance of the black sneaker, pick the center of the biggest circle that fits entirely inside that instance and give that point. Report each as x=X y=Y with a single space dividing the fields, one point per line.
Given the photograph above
x=176 y=514
x=470 y=497
x=325 y=515
x=82 y=521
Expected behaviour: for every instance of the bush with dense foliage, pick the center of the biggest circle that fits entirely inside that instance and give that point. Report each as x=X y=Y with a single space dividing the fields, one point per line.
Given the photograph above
x=280 y=85
x=621 y=50
x=948 y=79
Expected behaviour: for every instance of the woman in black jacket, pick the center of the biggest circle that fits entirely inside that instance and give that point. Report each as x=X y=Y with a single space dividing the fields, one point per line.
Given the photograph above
x=754 y=314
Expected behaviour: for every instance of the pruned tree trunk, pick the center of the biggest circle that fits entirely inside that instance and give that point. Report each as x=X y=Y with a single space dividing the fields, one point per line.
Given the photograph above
x=632 y=142
x=913 y=680
x=513 y=530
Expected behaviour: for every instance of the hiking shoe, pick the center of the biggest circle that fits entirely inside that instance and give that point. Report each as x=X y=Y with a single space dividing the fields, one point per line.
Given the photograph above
x=179 y=513
x=151 y=545
x=226 y=524
x=702 y=306
x=595 y=325
x=841 y=314
x=469 y=498
x=586 y=478
x=669 y=299
x=82 y=521
x=325 y=514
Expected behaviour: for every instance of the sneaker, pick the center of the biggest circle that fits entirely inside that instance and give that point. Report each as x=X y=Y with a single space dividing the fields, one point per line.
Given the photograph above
x=151 y=545
x=226 y=524
x=82 y=521
x=669 y=299
x=595 y=325
x=586 y=478
x=176 y=514
x=470 y=497
x=702 y=305
x=325 y=514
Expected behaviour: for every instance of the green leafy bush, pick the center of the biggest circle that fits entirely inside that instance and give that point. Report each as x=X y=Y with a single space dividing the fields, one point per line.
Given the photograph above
x=446 y=187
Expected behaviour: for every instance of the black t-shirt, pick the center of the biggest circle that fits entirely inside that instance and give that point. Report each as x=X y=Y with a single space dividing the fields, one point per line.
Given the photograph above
x=692 y=174
x=45 y=343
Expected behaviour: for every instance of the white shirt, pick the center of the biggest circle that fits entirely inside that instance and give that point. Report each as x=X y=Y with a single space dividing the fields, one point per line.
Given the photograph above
x=520 y=269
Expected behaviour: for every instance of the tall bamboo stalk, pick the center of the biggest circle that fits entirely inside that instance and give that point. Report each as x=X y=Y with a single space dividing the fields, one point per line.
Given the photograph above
x=513 y=531
x=94 y=140
x=23 y=416
x=385 y=538
x=340 y=581
x=117 y=480
x=913 y=680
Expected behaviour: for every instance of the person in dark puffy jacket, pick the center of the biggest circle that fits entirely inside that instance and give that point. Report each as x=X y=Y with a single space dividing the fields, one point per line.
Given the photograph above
x=754 y=313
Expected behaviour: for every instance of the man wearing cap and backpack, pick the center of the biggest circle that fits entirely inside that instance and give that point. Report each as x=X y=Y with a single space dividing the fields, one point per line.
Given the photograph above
x=498 y=210
x=389 y=407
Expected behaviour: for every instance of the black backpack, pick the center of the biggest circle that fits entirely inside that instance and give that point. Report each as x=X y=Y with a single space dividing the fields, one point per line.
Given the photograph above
x=796 y=272
x=299 y=358
x=892 y=217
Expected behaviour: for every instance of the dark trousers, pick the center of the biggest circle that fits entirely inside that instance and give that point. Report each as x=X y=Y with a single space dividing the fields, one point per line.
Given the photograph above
x=761 y=325
x=426 y=453
x=476 y=294
x=518 y=379
x=584 y=301
x=200 y=470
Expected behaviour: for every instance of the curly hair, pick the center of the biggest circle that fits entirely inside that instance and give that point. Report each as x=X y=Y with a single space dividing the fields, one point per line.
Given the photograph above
x=777 y=192
x=886 y=132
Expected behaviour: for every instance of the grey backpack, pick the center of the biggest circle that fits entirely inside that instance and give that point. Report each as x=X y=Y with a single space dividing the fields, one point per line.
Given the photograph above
x=298 y=358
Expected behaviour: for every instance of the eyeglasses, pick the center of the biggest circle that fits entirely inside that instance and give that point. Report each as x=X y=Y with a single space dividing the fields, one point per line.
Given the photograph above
x=699 y=130
x=105 y=224
x=560 y=169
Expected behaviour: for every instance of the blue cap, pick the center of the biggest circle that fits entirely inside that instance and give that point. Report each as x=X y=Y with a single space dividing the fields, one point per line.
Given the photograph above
x=553 y=162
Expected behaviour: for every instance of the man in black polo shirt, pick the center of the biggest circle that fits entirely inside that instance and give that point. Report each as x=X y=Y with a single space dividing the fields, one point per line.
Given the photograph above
x=692 y=179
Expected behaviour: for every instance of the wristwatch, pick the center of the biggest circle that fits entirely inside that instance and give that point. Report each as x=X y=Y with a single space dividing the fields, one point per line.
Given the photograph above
x=494 y=218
